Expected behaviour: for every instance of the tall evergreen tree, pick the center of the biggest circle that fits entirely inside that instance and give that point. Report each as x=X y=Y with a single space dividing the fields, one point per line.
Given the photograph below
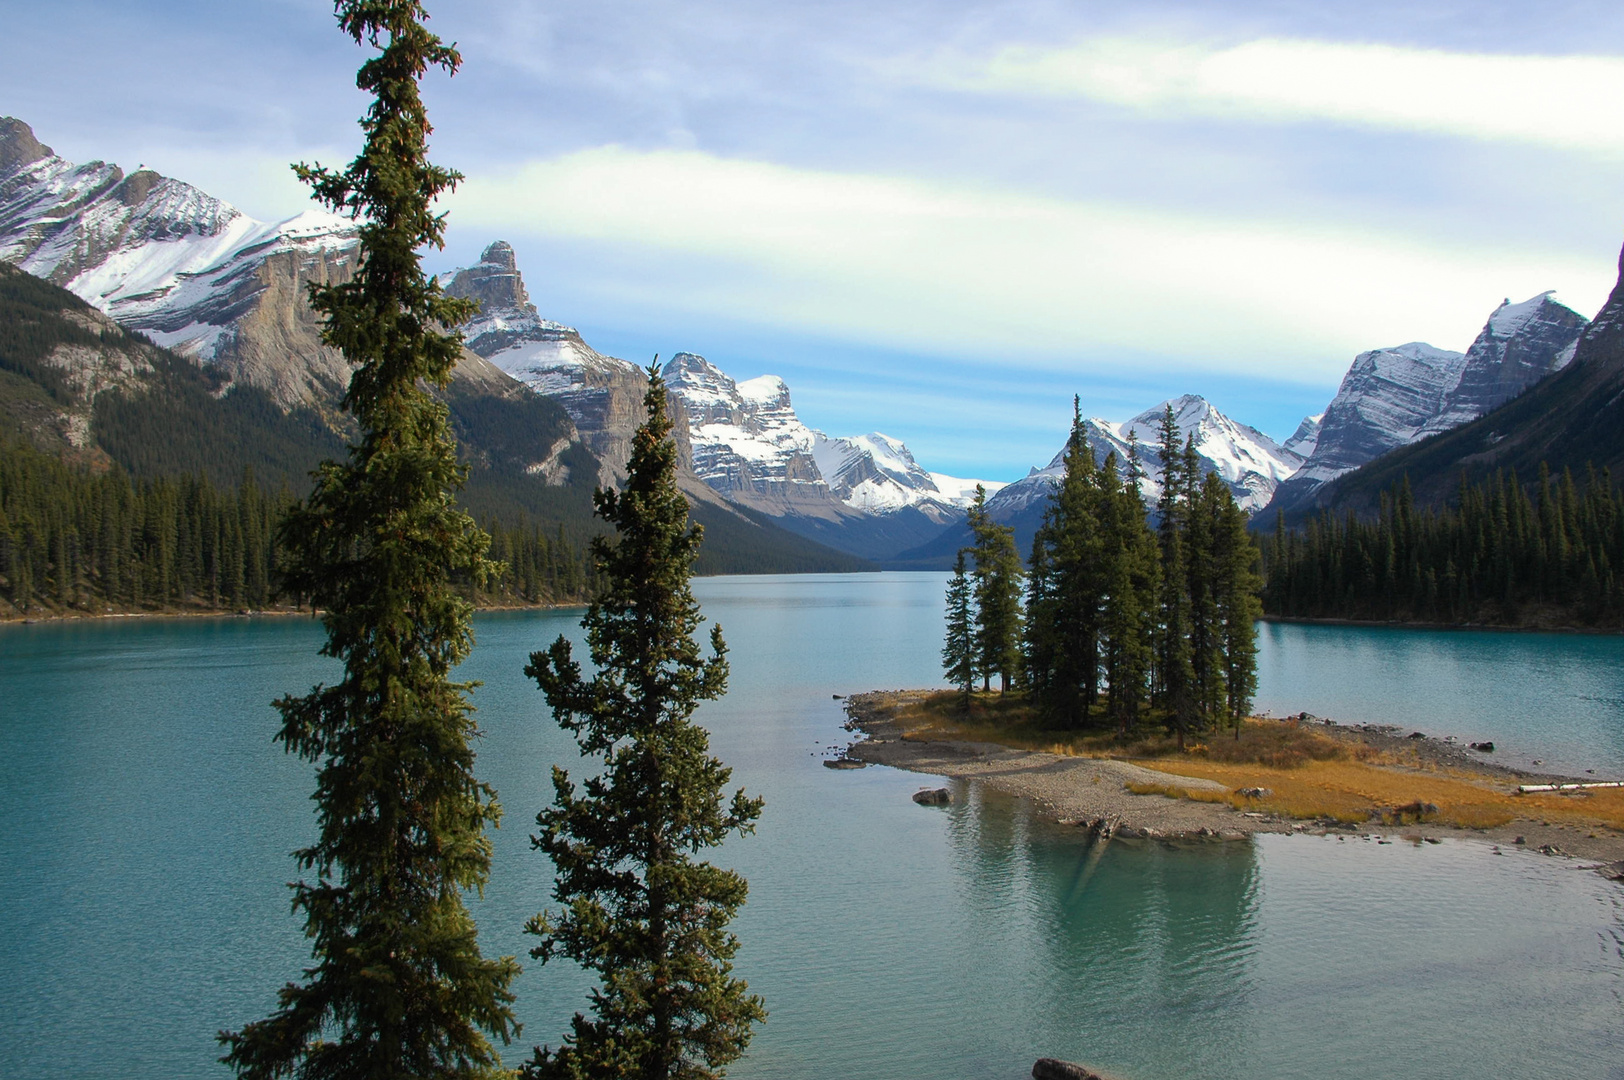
x=1128 y=617
x=959 y=651
x=1175 y=674
x=1206 y=497
x=636 y=906
x=1063 y=632
x=998 y=596
x=398 y=988
x=1239 y=608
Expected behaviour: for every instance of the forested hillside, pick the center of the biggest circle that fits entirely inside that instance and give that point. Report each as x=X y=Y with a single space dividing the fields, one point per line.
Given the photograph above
x=77 y=540
x=137 y=480
x=1498 y=556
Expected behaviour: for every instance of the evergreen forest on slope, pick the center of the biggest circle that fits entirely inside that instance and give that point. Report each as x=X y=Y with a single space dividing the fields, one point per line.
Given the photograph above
x=1496 y=556
x=133 y=479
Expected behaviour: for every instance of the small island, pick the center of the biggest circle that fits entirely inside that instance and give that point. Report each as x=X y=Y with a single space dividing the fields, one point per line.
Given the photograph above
x=1301 y=774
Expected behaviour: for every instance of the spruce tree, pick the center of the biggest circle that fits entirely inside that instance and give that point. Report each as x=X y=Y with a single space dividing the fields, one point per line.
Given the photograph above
x=1239 y=608
x=398 y=987
x=958 y=653
x=635 y=905
x=1128 y=615
x=997 y=595
x=1175 y=674
x=1064 y=646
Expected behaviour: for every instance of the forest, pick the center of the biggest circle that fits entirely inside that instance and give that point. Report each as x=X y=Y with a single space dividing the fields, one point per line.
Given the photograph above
x=78 y=540
x=1503 y=554
x=1120 y=621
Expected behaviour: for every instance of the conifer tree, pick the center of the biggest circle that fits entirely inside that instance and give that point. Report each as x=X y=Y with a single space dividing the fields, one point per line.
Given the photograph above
x=997 y=595
x=1175 y=675
x=1128 y=617
x=1205 y=498
x=1239 y=608
x=398 y=988
x=635 y=905
x=1063 y=633
x=959 y=651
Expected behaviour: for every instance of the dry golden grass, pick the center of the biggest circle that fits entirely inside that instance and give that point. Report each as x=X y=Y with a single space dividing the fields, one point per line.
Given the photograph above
x=1311 y=774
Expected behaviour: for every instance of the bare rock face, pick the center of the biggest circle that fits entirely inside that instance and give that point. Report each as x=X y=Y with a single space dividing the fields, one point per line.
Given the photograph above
x=602 y=394
x=1518 y=346
x=746 y=441
x=1395 y=397
x=104 y=358
x=190 y=271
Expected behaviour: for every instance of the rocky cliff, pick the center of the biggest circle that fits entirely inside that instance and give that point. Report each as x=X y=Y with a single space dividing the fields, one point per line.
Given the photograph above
x=1394 y=397
x=603 y=394
x=1571 y=419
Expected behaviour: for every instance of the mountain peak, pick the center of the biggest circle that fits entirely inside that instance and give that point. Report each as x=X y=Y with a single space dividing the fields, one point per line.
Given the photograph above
x=495 y=282
x=500 y=254
x=18 y=147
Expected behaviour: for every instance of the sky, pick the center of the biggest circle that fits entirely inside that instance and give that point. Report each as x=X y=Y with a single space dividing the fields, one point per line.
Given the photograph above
x=939 y=220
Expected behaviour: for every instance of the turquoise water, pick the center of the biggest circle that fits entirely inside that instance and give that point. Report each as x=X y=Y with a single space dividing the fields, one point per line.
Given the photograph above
x=145 y=821
x=1558 y=698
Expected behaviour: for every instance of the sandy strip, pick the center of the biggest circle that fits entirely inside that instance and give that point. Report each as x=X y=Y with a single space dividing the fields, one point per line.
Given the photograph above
x=1090 y=792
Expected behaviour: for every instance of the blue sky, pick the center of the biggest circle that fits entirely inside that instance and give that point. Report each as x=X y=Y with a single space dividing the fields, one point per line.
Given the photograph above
x=938 y=220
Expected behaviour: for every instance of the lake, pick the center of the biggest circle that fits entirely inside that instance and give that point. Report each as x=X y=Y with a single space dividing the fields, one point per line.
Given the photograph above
x=146 y=820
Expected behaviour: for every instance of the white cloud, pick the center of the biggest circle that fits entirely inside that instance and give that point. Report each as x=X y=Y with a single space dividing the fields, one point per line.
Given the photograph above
x=1568 y=101
x=975 y=272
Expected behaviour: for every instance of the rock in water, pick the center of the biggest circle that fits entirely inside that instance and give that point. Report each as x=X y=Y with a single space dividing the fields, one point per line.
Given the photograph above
x=1055 y=1069
x=933 y=797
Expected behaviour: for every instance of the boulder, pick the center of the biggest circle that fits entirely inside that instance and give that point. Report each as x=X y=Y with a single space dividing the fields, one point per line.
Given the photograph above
x=1483 y=747
x=1417 y=810
x=933 y=797
x=1055 y=1069
x=1254 y=792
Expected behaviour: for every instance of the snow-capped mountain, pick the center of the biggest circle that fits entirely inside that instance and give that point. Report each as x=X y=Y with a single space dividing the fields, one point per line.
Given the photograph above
x=1306 y=437
x=749 y=444
x=189 y=270
x=877 y=473
x=1386 y=399
x=1250 y=462
x=1393 y=397
x=741 y=442
x=1517 y=347
x=602 y=394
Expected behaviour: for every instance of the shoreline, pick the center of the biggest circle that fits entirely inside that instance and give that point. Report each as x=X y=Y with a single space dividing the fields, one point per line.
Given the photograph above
x=1400 y=624
x=225 y=613
x=1091 y=792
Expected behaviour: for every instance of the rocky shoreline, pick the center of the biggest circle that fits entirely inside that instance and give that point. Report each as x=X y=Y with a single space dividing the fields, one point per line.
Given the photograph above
x=1091 y=793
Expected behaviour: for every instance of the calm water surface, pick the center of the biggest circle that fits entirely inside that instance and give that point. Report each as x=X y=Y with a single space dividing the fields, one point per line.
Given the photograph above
x=1555 y=697
x=145 y=821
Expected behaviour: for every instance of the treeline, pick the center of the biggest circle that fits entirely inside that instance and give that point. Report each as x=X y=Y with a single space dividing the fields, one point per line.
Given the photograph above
x=1117 y=617
x=75 y=540
x=1502 y=555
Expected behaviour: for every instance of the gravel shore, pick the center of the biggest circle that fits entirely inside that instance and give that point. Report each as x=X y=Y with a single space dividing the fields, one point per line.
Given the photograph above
x=1092 y=792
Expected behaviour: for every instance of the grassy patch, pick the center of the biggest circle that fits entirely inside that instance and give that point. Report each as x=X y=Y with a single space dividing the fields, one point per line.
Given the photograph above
x=1310 y=775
